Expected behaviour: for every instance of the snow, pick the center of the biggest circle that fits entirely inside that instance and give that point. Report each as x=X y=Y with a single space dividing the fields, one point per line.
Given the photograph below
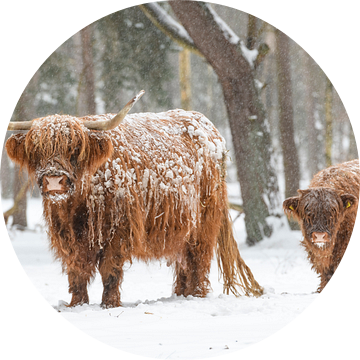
x=227 y=31
x=250 y=55
x=56 y=198
x=164 y=18
x=154 y=323
x=320 y=244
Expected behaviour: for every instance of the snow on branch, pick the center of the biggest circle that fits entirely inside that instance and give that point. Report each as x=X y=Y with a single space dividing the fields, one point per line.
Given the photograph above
x=177 y=32
x=250 y=55
x=169 y=26
x=224 y=27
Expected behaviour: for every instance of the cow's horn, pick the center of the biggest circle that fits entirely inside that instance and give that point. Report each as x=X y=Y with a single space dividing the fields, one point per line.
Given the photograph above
x=19 y=125
x=117 y=119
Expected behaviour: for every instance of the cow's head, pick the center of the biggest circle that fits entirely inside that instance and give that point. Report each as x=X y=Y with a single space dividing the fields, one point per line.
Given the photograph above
x=58 y=150
x=320 y=212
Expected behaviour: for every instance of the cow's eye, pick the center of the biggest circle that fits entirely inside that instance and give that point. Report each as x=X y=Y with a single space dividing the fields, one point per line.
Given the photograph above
x=73 y=160
x=74 y=157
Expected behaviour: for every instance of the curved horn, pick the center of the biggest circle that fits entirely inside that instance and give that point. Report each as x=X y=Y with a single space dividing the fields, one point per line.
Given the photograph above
x=19 y=125
x=117 y=119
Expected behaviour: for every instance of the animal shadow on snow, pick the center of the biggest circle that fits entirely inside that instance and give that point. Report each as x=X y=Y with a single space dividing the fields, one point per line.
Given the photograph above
x=63 y=306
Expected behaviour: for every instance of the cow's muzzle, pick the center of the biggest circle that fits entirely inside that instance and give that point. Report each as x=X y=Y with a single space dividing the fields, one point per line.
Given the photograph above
x=55 y=182
x=59 y=184
x=320 y=238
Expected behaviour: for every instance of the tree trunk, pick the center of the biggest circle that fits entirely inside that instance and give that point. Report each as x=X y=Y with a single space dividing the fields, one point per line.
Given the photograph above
x=185 y=78
x=311 y=131
x=5 y=174
x=18 y=203
x=249 y=127
x=286 y=116
x=328 y=122
x=25 y=110
x=87 y=78
x=19 y=216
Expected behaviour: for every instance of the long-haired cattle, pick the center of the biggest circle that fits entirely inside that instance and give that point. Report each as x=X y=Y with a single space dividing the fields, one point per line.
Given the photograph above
x=326 y=212
x=149 y=187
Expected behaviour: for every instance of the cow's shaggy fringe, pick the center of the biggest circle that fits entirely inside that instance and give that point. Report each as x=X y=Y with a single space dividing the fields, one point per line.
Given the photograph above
x=152 y=188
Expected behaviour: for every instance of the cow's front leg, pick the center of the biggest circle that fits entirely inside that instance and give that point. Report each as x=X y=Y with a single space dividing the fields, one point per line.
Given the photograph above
x=81 y=269
x=78 y=282
x=111 y=293
x=324 y=279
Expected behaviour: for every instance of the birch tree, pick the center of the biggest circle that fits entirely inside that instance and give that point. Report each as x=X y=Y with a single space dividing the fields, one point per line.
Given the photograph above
x=202 y=31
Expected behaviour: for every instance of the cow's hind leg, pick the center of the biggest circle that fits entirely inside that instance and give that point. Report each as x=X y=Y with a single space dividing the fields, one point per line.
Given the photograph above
x=180 y=280
x=110 y=268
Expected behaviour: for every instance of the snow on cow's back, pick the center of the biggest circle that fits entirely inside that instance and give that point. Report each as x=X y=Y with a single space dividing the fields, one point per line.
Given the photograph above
x=172 y=146
x=161 y=156
x=172 y=126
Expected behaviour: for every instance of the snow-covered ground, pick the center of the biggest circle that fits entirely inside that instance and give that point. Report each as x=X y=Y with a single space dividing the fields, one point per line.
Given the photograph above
x=154 y=323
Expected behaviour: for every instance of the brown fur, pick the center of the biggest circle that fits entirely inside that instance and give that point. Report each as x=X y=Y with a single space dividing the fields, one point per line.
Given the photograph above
x=152 y=188
x=328 y=207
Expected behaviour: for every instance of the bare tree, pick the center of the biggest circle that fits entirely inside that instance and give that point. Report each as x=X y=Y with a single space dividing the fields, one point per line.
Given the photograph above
x=202 y=31
x=328 y=122
x=20 y=218
x=5 y=172
x=86 y=87
x=25 y=110
x=311 y=131
x=185 y=78
x=19 y=176
x=286 y=116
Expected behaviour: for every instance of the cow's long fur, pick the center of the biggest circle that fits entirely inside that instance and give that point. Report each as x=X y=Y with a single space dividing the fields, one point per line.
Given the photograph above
x=152 y=188
x=328 y=206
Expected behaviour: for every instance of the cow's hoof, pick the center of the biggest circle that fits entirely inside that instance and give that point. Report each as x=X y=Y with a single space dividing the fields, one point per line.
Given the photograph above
x=110 y=305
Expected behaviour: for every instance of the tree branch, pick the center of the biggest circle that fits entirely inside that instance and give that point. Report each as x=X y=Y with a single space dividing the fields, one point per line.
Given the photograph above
x=263 y=50
x=17 y=200
x=253 y=56
x=236 y=207
x=169 y=26
x=221 y=24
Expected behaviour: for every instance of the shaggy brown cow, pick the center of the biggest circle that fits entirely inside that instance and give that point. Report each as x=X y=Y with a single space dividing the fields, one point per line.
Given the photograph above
x=326 y=213
x=150 y=187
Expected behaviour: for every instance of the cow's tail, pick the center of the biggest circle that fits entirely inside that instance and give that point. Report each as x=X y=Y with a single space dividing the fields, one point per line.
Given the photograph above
x=235 y=273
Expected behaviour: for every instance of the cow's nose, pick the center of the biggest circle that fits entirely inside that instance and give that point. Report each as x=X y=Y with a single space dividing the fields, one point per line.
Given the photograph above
x=53 y=183
x=320 y=237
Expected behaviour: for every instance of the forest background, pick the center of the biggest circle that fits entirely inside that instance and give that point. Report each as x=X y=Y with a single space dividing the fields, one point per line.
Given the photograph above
x=102 y=66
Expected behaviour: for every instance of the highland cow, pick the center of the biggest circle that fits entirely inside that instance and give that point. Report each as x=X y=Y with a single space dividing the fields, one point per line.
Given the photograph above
x=121 y=187
x=326 y=212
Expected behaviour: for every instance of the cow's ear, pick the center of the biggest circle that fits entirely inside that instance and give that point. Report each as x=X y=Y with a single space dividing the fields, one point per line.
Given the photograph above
x=100 y=149
x=15 y=148
x=349 y=201
x=290 y=206
x=303 y=192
